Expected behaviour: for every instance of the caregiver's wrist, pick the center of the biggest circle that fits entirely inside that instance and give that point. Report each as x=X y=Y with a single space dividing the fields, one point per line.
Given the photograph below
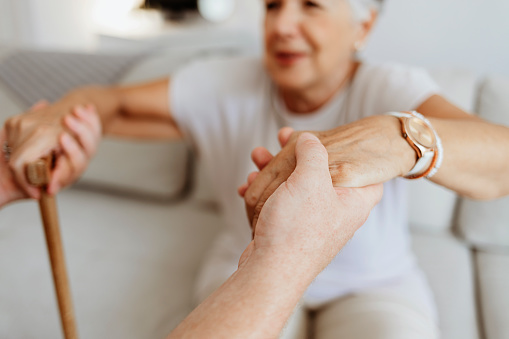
x=289 y=265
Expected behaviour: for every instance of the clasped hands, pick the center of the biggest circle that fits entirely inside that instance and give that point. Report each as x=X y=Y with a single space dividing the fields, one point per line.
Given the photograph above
x=367 y=152
x=72 y=133
x=361 y=154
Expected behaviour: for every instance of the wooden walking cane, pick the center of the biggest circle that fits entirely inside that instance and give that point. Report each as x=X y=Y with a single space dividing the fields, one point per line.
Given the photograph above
x=39 y=174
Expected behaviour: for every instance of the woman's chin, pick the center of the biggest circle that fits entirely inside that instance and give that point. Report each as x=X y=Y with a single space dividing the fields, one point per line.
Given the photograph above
x=291 y=80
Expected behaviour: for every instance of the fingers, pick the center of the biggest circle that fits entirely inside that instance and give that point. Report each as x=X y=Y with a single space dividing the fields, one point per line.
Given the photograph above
x=69 y=165
x=261 y=157
x=92 y=118
x=37 y=146
x=371 y=194
x=311 y=157
x=86 y=127
x=255 y=191
x=272 y=175
x=254 y=211
x=61 y=172
x=250 y=179
x=358 y=202
x=83 y=124
x=241 y=190
x=284 y=135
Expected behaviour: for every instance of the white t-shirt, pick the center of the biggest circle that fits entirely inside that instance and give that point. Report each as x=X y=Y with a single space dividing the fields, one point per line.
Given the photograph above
x=226 y=108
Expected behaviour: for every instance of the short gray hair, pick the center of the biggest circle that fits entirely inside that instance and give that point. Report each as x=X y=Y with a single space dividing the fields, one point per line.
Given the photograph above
x=361 y=8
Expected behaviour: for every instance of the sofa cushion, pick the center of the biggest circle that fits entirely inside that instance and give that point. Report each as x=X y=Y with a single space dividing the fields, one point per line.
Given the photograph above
x=483 y=223
x=132 y=265
x=448 y=265
x=146 y=168
x=425 y=197
x=494 y=296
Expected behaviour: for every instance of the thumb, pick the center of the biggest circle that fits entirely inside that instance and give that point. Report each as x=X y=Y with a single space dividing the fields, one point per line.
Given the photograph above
x=284 y=135
x=311 y=156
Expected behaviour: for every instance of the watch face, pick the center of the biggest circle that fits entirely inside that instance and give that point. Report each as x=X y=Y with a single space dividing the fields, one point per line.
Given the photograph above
x=420 y=132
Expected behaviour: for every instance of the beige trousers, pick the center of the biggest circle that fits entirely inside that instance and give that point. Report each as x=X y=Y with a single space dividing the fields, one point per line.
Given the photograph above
x=403 y=309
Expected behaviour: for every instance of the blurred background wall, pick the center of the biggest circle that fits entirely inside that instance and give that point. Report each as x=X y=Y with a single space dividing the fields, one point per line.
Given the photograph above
x=471 y=34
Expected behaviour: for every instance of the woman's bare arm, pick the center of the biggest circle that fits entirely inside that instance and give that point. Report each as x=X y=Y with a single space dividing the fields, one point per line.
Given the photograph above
x=475 y=151
x=139 y=111
x=372 y=150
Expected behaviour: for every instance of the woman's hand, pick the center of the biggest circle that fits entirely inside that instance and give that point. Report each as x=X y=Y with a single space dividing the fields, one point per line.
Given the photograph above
x=307 y=213
x=366 y=152
x=34 y=135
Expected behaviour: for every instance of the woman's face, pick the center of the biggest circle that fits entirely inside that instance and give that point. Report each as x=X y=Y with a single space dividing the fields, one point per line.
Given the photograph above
x=308 y=42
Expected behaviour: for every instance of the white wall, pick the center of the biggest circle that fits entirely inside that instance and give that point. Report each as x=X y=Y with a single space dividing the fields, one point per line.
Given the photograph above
x=57 y=24
x=65 y=24
x=15 y=24
x=472 y=34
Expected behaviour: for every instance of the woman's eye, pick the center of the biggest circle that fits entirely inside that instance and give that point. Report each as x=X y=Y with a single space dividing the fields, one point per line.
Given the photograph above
x=272 y=5
x=312 y=4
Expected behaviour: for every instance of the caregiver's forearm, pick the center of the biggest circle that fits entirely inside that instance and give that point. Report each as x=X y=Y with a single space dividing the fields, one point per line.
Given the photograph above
x=255 y=302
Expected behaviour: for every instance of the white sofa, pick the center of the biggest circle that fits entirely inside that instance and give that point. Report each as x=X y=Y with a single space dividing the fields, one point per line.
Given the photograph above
x=136 y=228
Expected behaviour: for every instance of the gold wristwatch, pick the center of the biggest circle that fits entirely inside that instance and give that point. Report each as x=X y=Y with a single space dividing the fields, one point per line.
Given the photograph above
x=421 y=137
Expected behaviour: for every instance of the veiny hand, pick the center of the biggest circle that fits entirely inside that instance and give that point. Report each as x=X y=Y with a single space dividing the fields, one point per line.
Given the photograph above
x=34 y=135
x=306 y=218
x=366 y=152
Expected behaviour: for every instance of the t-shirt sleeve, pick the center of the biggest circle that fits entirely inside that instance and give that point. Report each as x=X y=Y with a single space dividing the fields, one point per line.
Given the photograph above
x=212 y=100
x=193 y=100
x=403 y=88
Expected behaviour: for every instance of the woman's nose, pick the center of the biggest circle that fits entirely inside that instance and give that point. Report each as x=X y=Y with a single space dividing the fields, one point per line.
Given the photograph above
x=287 y=22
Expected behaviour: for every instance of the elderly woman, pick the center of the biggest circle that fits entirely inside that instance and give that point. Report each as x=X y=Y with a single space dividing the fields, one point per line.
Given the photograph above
x=310 y=80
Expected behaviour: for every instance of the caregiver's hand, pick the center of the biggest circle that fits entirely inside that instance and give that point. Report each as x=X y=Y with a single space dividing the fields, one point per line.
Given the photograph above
x=307 y=219
x=366 y=152
x=33 y=135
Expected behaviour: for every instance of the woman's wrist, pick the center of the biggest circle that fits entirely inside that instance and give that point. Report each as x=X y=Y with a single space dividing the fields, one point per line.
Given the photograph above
x=395 y=145
x=402 y=152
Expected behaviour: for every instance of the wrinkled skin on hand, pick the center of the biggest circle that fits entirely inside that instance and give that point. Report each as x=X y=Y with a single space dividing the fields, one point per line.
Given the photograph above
x=367 y=152
x=36 y=134
x=306 y=217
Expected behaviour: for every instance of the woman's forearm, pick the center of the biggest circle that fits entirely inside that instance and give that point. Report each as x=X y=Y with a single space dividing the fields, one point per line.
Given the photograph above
x=476 y=157
x=107 y=101
x=138 y=111
x=373 y=150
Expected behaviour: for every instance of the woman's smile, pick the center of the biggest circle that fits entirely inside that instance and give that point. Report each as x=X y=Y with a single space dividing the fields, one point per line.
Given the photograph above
x=289 y=58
